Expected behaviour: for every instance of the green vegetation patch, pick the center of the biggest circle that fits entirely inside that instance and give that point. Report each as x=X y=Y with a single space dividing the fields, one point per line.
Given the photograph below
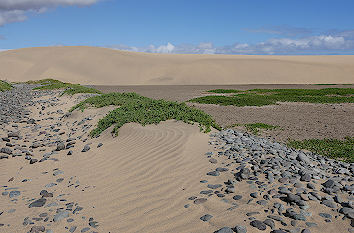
x=261 y=97
x=255 y=127
x=332 y=148
x=143 y=110
x=224 y=91
x=70 y=89
x=5 y=86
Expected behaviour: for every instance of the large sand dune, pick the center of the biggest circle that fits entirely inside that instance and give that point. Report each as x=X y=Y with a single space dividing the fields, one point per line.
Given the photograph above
x=93 y=65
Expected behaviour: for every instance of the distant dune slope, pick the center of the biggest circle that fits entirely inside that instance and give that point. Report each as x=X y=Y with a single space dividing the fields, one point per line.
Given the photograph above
x=93 y=65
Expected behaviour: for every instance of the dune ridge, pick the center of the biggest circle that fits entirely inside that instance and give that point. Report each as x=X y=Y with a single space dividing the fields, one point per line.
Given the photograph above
x=103 y=66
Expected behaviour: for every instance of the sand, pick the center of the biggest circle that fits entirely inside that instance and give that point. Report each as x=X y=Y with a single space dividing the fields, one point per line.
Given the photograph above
x=93 y=65
x=139 y=181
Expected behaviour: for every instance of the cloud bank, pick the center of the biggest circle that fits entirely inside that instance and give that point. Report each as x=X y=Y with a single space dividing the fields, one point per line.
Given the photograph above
x=17 y=10
x=330 y=43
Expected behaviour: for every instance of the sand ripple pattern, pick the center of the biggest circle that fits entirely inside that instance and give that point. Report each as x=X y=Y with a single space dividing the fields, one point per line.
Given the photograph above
x=144 y=177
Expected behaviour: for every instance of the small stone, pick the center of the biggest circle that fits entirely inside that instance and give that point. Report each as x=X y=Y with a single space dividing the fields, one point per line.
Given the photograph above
x=213 y=173
x=259 y=225
x=86 y=148
x=61 y=215
x=237 y=197
x=72 y=229
x=206 y=217
x=60 y=146
x=224 y=230
x=45 y=193
x=99 y=145
x=200 y=200
x=14 y=194
x=37 y=229
x=240 y=229
x=214 y=186
x=212 y=160
x=38 y=203
x=270 y=223
x=85 y=229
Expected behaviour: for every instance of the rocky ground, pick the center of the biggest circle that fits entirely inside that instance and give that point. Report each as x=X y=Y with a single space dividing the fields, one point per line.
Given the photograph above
x=31 y=132
x=267 y=186
x=278 y=189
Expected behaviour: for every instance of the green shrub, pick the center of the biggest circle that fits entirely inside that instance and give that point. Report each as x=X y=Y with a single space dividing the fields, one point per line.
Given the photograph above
x=70 y=89
x=254 y=127
x=143 y=110
x=5 y=86
x=260 y=97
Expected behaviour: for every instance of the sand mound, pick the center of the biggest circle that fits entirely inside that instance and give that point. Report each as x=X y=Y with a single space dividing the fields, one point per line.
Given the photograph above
x=93 y=65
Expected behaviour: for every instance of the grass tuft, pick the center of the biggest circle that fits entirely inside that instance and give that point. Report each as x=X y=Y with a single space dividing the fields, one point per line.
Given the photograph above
x=5 y=86
x=143 y=110
x=332 y=148
x=224 y=91
x=70 y=89
x=255 y=127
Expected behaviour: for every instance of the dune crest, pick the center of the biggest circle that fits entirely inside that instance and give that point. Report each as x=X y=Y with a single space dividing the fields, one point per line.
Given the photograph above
x=102 y=66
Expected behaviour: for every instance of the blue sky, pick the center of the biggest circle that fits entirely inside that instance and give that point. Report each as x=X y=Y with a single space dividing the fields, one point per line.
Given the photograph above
x=180 y=26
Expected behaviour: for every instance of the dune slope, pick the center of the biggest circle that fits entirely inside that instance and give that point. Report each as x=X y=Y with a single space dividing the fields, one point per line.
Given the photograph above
x=93 y=65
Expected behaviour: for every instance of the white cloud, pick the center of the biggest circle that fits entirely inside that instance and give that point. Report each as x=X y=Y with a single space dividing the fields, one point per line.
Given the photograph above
x=335 y=43
x=17 y=10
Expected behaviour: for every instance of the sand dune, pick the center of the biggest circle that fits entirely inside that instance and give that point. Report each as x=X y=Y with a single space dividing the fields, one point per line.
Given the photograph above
x=93 y=65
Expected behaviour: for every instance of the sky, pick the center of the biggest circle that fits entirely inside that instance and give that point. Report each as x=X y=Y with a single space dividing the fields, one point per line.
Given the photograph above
x=284 y=27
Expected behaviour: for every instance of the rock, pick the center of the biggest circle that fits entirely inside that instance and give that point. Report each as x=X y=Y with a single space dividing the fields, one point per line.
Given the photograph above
x=32 y=161
x=212 y=160
x=213 y=173
x=206 y=217
x=86 y=148
x=254 y=195
x=70 y=152
x=14 y=194
x=237 y=197
x=214 y=186
x=99 y=145
x=305 y=231
x=200 y=200
x=38 y=203
x=329 y=204
x=303 y=158
x=6 y=150
x=60 y=216
x=306 y=177
x=85 y=229
x=224 y=230
x=45 y=193
x=60 y=146
x=240 y=229
x=13 y=134
x=37 y=229
x=325 y=215
x=243 y=174
x=329 y=183
x=259 y=225
x=270 y=223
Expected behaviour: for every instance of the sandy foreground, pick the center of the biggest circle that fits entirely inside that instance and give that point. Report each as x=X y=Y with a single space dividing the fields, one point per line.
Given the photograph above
x=93 y=65
x=147 y=179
